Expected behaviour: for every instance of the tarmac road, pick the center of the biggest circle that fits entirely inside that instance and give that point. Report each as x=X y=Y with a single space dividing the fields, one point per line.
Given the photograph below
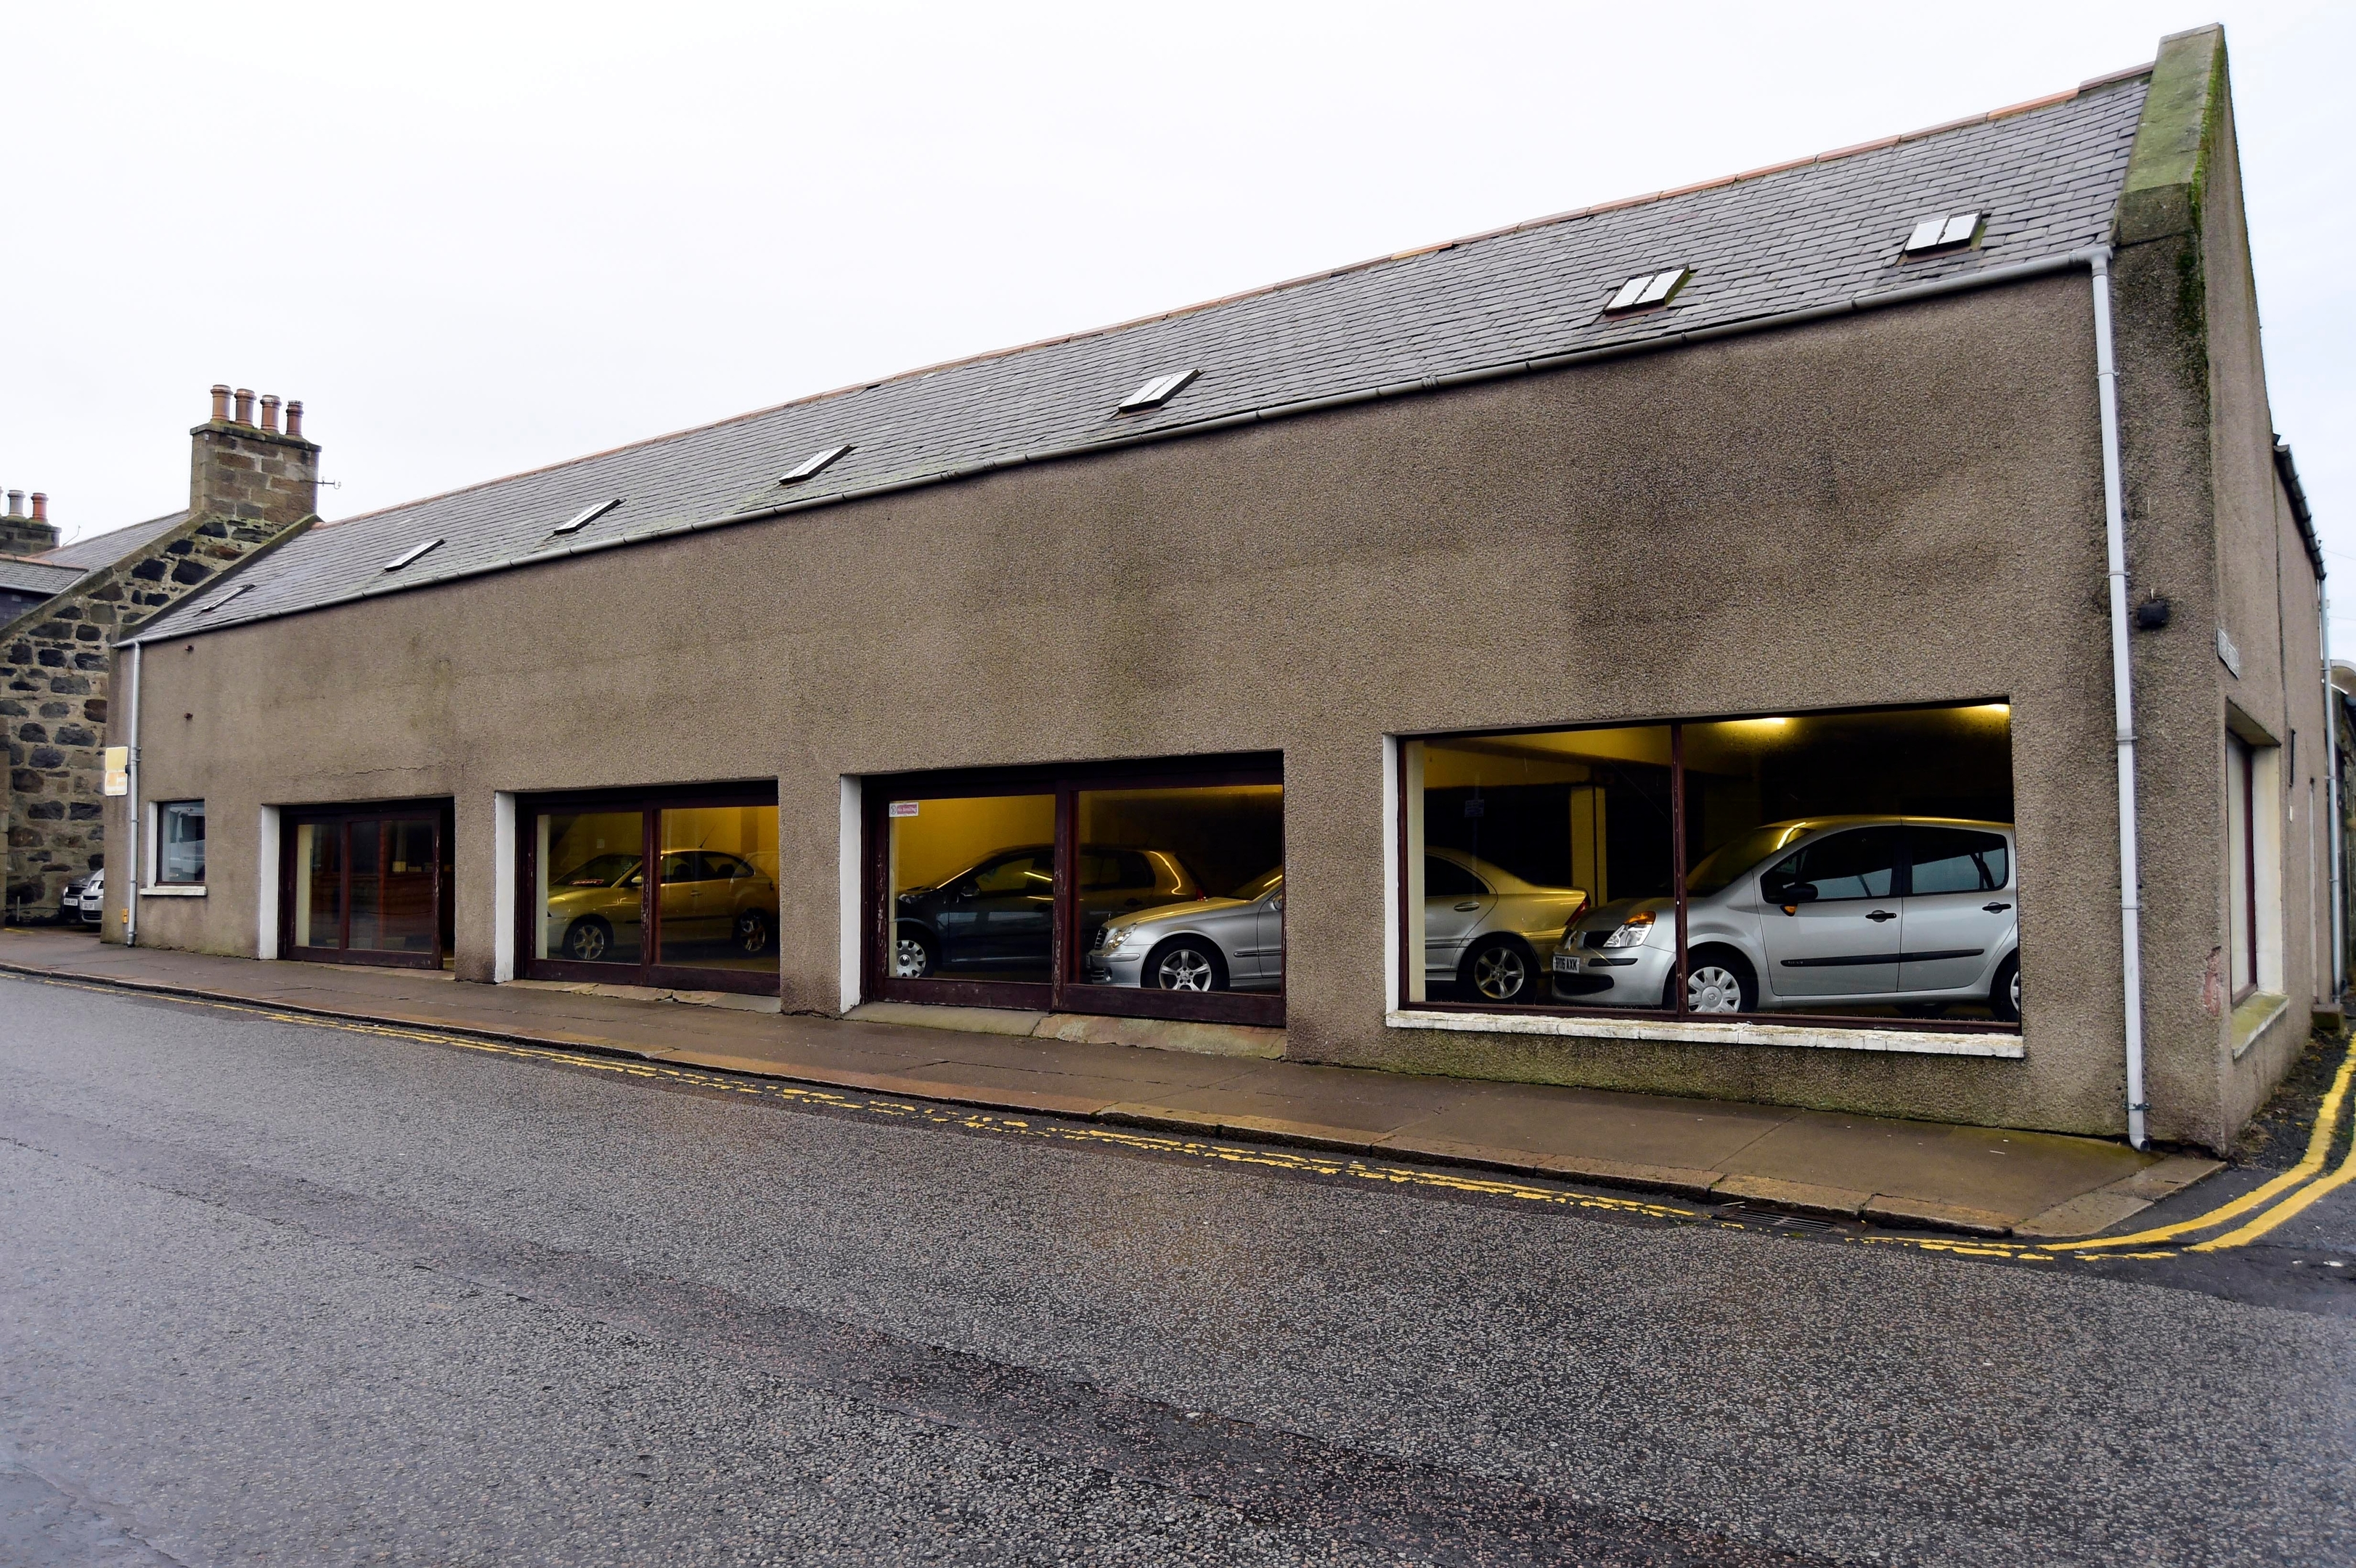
x=289 y=1293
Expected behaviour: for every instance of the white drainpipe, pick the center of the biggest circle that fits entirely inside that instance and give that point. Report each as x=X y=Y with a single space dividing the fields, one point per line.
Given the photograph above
x=132 y=827
x=2115 y=541
x=2335 y=840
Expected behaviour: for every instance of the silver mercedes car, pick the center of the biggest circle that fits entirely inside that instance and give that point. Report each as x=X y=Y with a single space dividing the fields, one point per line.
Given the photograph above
x=1204 y=944
x=1915 y=913
x=1484 y=928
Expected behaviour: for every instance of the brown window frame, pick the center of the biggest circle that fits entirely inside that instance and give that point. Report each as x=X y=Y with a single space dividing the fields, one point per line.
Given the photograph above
x=2242 y=759
x=650 y=804
x=1679 y=1013
x=293 y=818
x=1065 y=992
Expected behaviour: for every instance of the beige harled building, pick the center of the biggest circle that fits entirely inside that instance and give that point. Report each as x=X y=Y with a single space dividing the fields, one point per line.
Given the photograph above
x=1691 y=644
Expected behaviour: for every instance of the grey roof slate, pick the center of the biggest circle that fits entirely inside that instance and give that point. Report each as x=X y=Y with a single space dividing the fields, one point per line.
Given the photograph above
x=106 y=549
x=27 y=575
x=1818 y=233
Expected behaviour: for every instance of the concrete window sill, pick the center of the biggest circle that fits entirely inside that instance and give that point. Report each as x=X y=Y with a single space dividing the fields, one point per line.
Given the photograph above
x=1697 y=1031
x=2254 y=1016
x=161 y=891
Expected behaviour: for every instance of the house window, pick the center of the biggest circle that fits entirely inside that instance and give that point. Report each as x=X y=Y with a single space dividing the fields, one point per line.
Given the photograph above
x=180 y=843
x=1149 y=890
x=2242 y=863
x=675 y=888
x=1856 y=866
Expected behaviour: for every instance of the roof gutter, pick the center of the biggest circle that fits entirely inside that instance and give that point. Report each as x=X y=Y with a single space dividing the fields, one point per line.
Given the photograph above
x=1961 y=283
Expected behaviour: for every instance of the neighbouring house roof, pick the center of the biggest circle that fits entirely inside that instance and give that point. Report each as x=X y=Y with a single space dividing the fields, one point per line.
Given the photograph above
x=104 y=549
x=1820 y=234
x=25 y=574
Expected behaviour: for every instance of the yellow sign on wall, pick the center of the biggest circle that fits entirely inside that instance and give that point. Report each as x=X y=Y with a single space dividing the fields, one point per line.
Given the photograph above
x=118 y=770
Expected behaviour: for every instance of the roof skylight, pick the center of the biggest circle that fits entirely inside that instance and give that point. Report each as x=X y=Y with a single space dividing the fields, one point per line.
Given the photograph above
x=1943 y=231
x=585 y=515
x=809 y=465
x=211 y=605
x=1157 y=391
x=1648 y=289
x=412 y=553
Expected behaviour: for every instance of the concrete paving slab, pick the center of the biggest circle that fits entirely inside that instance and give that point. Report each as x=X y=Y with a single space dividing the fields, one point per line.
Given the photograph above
x=1640 y=1129
x=2012 y=1173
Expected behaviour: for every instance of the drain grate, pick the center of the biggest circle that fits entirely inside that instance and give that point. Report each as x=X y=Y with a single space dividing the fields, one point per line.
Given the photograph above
x=1750 y=1215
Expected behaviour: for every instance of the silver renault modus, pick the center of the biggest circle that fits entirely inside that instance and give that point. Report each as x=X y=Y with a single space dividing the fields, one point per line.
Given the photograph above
x=1918 y=913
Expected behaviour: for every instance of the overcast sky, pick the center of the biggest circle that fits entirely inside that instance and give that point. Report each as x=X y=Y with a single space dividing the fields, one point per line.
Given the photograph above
x=475 y=239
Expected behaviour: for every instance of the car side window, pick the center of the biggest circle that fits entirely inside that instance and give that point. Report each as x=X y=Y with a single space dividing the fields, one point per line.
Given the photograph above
x=682 y=868
x=1958 y=860
x=1860 y=864
x=1447 y=880
x=1016 y=874
x=727 y=868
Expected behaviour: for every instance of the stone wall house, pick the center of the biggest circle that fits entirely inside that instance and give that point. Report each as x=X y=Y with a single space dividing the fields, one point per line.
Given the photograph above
x=250 y=486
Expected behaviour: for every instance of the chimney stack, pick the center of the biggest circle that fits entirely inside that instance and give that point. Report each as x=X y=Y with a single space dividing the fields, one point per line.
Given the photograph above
x=22 y=535
x=256 y=479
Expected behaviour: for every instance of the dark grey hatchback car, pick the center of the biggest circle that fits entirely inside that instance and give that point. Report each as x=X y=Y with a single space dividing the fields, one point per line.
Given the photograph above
x=995 y=920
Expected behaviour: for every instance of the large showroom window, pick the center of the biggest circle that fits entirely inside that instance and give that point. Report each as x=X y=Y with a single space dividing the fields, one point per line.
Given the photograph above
x=1154 y=889
x=1856 y=866
x=367 y=884
x=674 y=889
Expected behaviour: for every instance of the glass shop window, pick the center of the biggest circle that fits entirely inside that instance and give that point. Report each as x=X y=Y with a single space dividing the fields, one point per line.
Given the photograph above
x=1098 y=890
x=180 y=843
x=1856 y=866
x=640 y=891
x=369 y=885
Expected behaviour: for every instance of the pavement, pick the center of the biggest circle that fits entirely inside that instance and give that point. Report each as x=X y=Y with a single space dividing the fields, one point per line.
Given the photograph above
x=284 y=1289
x=1903 y=1174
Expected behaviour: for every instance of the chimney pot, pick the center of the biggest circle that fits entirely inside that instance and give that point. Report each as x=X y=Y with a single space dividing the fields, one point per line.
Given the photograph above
x=16 y=503
x=245 y=405
x=220 y=404
x=270 y=412
x=295 y=419
x=40 y=507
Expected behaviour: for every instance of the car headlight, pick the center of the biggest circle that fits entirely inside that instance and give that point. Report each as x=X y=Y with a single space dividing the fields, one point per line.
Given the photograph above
x=1114 y=938
x=1632 y=932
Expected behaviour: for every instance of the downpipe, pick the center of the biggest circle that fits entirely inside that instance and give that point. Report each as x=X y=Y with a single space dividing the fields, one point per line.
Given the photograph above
x=2338 y=840
x=132 y=826
x=2115 y=543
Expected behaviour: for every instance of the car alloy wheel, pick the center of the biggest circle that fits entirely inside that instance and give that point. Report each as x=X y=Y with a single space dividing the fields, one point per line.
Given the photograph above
x=753 y=932
x=1185 y=969
x=1499 y=972
x=912 y=960
x=1713 y=989
x=586 y=943
x=2015 y=991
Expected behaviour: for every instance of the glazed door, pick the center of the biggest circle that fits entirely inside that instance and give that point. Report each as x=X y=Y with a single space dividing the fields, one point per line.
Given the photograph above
x=365 y=887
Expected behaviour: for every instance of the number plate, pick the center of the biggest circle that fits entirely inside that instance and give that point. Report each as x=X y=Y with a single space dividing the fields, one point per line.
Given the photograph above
x=1565 y=963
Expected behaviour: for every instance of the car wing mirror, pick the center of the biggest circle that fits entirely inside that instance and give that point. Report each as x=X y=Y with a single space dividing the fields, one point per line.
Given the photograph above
x=1791 y=895
x=968 y=888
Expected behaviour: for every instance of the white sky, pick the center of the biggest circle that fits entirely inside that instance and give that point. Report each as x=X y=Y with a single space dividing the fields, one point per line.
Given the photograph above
x=475 y=239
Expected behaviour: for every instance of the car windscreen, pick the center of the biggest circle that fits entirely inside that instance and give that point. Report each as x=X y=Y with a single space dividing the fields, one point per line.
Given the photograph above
x=602 y=872
x=1721 y=866
x=1266 y=882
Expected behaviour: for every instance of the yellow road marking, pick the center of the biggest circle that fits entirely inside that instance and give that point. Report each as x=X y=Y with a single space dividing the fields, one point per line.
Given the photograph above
x=2319 y=1145
x=1303 y=1162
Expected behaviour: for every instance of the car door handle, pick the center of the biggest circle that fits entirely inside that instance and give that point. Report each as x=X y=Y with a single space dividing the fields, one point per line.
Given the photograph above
x=1468 y=908
x=1882 y=914
x=1995 y=909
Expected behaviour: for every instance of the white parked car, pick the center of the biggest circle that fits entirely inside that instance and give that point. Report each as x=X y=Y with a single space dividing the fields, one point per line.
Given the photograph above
x=93 y=898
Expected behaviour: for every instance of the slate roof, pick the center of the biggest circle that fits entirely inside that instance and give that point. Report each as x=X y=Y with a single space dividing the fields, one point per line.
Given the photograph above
x=27 y=575
x=106 y=549
x=1819 y=233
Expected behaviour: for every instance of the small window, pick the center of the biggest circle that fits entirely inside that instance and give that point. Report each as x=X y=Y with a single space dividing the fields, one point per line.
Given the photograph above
x=412 y=553
x=1647 y=290
x=180 y=843
x=212 y=604
x=808 y=466
x=585 y=515
x=1157 y=391
x=1948 y=231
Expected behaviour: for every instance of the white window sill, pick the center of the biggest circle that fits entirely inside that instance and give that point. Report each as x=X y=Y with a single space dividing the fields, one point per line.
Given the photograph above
x=1698 y=1031
x=2255 y=1015
x=171 y=890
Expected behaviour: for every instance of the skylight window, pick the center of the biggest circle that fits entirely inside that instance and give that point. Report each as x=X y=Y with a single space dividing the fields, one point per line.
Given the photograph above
x=1648 y=289
x=211 y=605
x=585 y=515
x=1944 y=232
x=1157 y=391
x=809 y=465
x=412 y=553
